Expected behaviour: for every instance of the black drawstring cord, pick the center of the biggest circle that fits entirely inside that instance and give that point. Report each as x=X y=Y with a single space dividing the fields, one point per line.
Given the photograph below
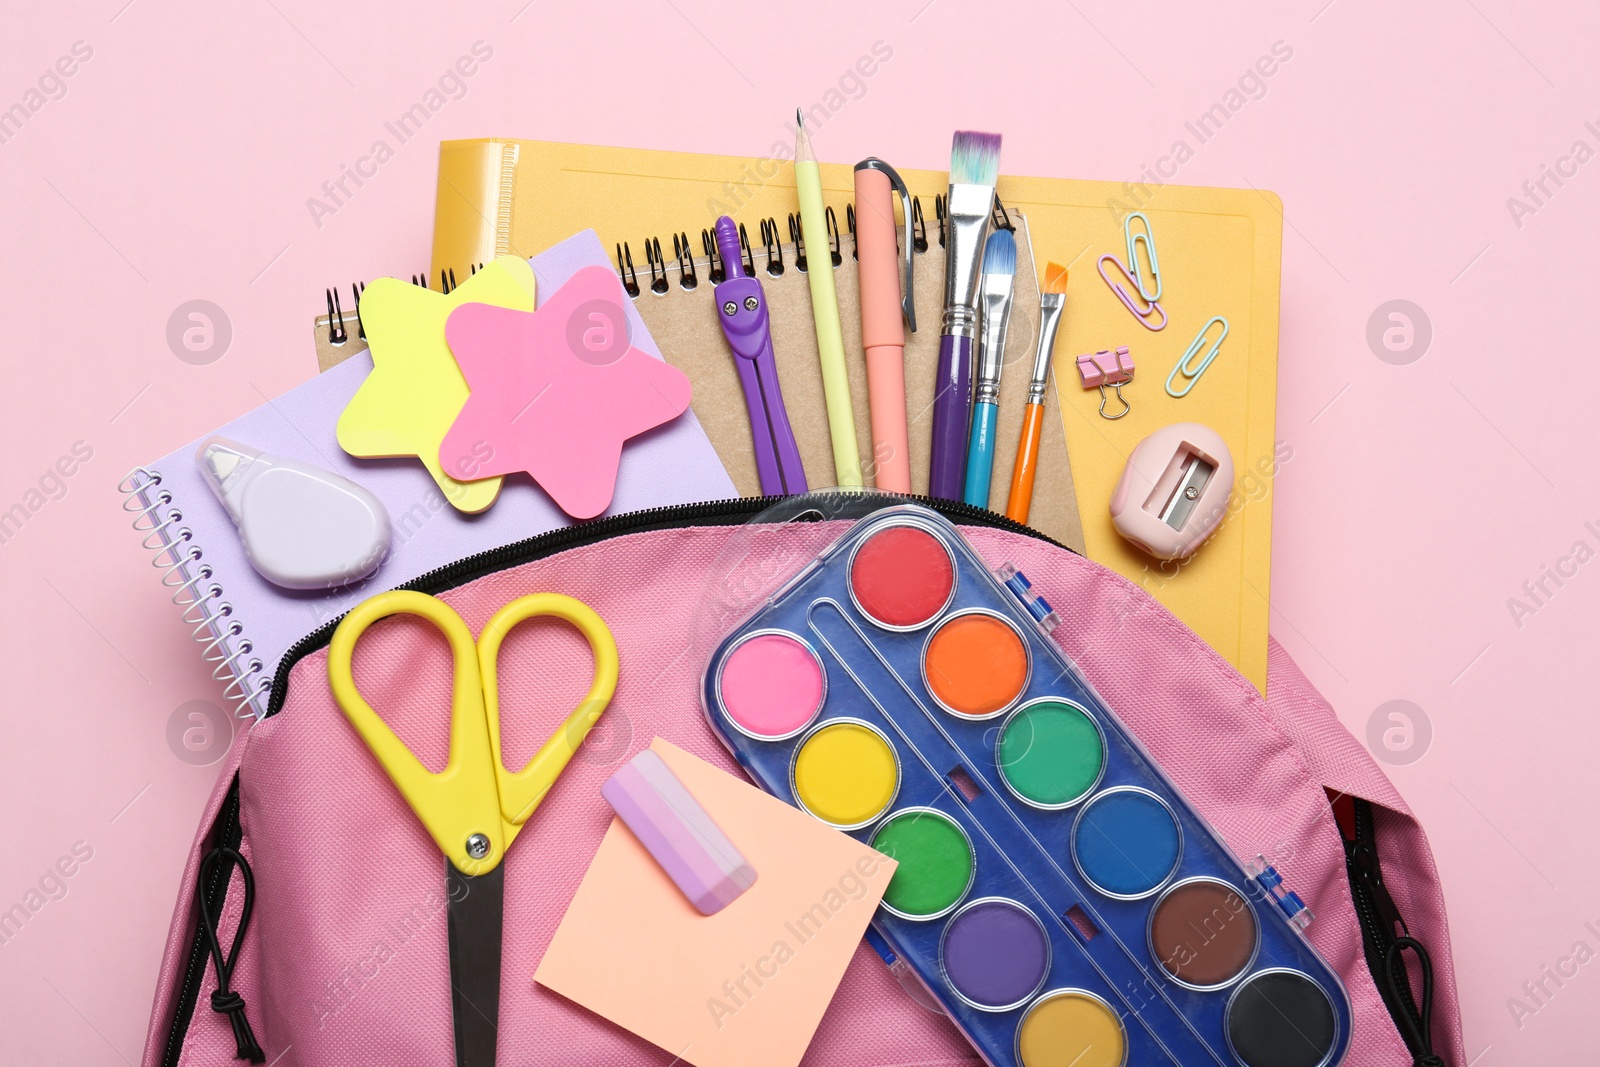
x=225 y=1001
x=1421 y=1028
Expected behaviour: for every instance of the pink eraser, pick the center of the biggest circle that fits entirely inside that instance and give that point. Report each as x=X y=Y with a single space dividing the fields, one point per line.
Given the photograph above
x=556 y=392
x=678 y=832
x=1106 y=367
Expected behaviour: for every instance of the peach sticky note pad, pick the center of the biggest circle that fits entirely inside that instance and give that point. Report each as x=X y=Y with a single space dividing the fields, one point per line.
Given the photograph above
x=555 y=392
x=746 y=985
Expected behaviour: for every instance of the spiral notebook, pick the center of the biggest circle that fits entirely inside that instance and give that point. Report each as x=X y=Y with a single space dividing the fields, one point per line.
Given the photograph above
x=245 y=624
x=1220 y=254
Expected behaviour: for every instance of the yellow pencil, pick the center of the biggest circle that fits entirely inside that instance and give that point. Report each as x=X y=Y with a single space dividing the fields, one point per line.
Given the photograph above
x=825 y=310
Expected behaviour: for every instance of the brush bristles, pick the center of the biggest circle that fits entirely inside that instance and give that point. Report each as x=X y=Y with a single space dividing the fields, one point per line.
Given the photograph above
x=1000 y=253
x=974 y=158
x=1055 y=278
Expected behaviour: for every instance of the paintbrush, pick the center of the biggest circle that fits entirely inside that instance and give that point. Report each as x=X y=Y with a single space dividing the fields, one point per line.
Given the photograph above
x=999 y=274
x=1052 y=301
x=974 y=165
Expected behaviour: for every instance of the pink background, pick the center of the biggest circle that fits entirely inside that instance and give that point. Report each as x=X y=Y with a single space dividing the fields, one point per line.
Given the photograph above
x=178 y=164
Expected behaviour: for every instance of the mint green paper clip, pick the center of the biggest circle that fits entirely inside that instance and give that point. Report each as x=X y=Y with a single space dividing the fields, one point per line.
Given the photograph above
x=1147 y=238
x=1186 y=367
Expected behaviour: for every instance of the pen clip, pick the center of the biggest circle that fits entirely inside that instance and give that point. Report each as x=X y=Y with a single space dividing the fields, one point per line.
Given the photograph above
x=908 y=298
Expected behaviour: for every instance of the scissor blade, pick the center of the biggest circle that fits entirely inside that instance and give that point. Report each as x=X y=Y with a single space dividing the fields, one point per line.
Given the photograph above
x=476 y=913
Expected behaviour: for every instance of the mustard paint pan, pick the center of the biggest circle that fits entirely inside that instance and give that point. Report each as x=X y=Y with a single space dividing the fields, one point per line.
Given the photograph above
x=1071 y=1028
x=1054 y=892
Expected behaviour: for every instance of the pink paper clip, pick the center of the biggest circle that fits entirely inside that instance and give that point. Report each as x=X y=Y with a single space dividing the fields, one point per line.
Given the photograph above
x=1105 y=368
x=1152 y=307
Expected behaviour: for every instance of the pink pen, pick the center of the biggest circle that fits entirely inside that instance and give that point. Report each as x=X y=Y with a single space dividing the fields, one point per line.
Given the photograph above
x=883 y=305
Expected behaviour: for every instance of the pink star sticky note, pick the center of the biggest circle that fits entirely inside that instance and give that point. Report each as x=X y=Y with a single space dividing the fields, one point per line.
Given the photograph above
x=556 y=392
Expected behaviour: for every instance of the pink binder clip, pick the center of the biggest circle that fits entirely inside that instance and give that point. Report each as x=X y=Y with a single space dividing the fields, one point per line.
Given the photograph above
x=1107 y=368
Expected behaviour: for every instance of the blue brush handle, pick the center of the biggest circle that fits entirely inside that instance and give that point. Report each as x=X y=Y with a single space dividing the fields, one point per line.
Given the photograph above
x=980 y=454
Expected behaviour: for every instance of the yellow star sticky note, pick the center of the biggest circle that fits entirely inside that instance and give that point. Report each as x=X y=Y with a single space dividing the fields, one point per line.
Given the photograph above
x=416 y=390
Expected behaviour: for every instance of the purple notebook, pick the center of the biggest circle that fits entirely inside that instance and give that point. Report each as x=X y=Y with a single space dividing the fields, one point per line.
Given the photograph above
x=672 y=464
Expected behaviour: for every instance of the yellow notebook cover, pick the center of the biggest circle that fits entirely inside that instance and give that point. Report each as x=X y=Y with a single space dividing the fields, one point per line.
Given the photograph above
x=1220 y=254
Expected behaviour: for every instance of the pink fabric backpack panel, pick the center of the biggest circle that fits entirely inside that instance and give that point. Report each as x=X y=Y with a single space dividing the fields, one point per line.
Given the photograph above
x=343 y=959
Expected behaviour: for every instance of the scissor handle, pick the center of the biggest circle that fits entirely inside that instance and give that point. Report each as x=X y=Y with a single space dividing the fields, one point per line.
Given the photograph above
x=458 y=806
x=522 y=791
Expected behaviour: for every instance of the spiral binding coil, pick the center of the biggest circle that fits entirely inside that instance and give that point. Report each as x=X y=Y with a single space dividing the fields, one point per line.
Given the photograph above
x=773 y=249
x=336 y=319
x=194 y=588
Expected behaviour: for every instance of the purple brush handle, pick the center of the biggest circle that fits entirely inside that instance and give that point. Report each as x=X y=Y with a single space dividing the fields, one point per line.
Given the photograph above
x=952 y=411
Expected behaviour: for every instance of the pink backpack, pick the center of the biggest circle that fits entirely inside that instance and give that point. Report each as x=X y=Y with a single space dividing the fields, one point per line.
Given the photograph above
x=311 y=867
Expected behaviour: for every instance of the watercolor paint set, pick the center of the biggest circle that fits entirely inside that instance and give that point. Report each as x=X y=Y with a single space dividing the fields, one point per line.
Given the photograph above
x=1055 y=893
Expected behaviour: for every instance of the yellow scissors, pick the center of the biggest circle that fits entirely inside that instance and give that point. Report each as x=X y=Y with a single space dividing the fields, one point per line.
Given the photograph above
x=474 y=808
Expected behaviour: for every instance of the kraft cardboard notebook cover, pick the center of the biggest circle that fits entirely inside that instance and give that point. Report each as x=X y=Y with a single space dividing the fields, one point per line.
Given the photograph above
x=1220 y=253
x=699 y=348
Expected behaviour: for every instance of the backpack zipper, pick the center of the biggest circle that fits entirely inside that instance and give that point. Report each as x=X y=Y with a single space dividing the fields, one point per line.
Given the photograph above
x=1379 y=918
x=226 y=830
x=676 y=516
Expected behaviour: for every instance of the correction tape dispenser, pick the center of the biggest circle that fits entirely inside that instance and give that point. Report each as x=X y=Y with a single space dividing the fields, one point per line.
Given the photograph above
x=302 y=527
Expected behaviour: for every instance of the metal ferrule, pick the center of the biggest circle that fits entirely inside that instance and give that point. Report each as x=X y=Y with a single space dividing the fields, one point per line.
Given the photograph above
x=991 y=354
x=1050 y=307
x=969 y=226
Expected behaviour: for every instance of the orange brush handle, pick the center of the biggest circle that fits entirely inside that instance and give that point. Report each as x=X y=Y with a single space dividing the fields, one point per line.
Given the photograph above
x=1021 y=497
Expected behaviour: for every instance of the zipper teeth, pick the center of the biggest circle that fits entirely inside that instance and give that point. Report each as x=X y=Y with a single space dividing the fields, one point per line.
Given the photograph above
x=475 y=566
x=194 y=974
x=1367 y=910
x=1373 y=934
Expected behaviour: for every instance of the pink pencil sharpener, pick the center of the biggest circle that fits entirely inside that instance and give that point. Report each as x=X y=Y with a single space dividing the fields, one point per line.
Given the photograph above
x=1174 y=491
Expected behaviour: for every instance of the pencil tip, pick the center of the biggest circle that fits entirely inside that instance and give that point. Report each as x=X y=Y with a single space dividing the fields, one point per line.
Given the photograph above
x=803 y=152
